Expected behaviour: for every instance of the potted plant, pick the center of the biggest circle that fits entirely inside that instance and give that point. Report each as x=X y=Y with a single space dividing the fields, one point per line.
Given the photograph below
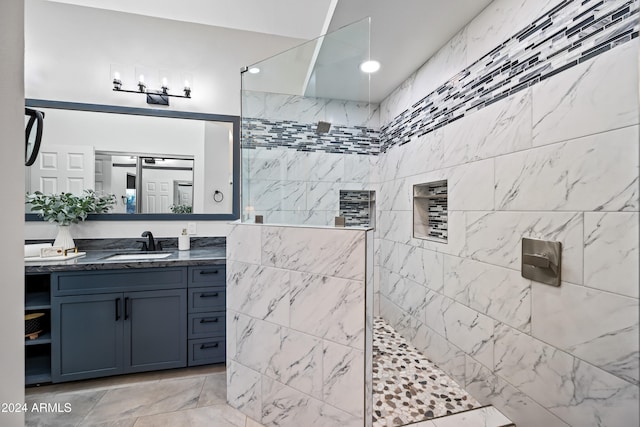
x=65 y=209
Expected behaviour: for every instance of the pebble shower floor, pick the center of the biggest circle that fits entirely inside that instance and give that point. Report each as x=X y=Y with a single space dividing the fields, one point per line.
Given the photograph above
x=408 y=387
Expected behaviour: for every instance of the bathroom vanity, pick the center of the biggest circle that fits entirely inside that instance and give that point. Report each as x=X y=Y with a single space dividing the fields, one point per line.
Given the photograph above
x=107 y=317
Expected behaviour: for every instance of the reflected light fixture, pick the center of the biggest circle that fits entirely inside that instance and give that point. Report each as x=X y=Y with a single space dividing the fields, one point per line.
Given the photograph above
x=156 y=97
x=254 y=70
x=370 y=66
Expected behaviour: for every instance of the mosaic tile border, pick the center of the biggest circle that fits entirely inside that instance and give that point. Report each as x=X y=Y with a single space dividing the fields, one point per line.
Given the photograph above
x=569 y=34
x=265 y=133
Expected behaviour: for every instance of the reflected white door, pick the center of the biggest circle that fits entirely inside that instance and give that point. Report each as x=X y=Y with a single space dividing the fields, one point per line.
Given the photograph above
x=158 y=196
x=63 y=169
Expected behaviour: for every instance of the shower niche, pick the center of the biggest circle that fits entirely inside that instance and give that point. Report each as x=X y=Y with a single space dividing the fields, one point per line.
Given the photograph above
x=357 y=207
x=430 y=211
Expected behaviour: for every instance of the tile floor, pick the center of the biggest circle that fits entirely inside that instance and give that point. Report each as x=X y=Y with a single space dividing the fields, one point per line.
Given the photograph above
x=183 y=397
x=407 y=386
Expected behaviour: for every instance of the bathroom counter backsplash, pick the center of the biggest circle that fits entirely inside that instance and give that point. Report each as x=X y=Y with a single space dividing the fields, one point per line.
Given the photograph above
x=204 y=251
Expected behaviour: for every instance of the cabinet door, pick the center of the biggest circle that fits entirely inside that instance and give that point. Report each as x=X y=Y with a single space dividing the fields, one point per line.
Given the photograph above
x=87 y=333
x=155 y=331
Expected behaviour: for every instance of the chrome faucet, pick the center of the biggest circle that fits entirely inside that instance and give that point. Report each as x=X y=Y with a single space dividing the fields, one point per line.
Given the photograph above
x=151 y=245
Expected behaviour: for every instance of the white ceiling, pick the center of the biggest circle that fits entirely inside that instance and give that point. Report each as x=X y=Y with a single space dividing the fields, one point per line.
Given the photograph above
x=404 y=33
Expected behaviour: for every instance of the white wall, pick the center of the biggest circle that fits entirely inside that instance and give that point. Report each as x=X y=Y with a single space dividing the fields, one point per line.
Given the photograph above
x=69 y=51
x=11 y=166
x=557 y=161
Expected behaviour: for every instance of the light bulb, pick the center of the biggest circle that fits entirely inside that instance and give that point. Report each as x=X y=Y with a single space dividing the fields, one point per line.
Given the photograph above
x=164 y=82
x=116 y=75
x=369 y=66
x=141 y=79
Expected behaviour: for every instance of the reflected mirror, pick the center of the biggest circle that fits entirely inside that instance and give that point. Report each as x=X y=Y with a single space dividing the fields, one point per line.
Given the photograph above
x=159 y=164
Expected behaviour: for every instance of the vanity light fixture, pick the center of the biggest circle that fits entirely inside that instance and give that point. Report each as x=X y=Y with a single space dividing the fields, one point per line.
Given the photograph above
x=156 y=97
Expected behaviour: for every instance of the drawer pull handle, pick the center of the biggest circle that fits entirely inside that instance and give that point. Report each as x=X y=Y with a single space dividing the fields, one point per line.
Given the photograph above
x=208 y=271
x=210 y=320
x=211 y=295
x=117 y=309
x=206 y=346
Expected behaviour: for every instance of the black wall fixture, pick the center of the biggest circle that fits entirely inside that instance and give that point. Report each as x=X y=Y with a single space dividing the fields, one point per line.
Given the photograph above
x=33 y=135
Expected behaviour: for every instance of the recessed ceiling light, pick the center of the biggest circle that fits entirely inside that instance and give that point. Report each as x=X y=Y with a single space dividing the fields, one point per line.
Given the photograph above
x=254 y=70
x=370 y=66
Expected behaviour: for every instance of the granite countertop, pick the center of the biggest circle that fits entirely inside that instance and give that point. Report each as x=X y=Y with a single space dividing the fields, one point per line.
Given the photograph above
x=95 y=260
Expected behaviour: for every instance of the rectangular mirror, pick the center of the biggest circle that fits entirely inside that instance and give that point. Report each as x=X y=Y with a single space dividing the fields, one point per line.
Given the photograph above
x=160 y=164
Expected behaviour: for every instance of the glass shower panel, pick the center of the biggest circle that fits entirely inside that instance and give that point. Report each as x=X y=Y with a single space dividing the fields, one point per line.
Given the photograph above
x=309 y=129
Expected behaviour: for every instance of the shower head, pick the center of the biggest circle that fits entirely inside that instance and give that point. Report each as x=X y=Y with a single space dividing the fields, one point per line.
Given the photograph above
x=323 y=127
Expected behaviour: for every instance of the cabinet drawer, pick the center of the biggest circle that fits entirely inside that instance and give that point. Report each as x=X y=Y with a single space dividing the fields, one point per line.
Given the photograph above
x=207 y=324
x=207 y=299
x=208 y=276
x=97 y=282
x=207 y=350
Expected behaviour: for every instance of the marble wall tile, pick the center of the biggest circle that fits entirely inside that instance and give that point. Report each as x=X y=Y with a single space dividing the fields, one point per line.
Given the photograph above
x=436 y=306
x=421 y=266
x=231 y=327
x=499 y=21
x=343 y=377
x=338 y=318
x=244 y=389
x=442 y=352
x=597 y=172
x=500 y=293
x=611 y=251
x=388 y=255
x=287 y=407
x=495 y=238
x=578 y=393
x=407 y=294
x=298 y=363
x=247 y=293
x=598 y=327
x=357 y=168
x=322 y=196
x=471 y=331
x=298 y=165
x=394 y=196
x=586 y=100
x=276 y=195
x=252 y=334
x=490 y=389
x=352 y=113
x=253 y=104
x=396 y=226
x=263 y=164
x=292 y=107
x=326 y=167
x=337 y=253
x=244 y=243
x=501 y=128
x=423 y=153
x=397 y=101
x=470 y=186
x=441 y=67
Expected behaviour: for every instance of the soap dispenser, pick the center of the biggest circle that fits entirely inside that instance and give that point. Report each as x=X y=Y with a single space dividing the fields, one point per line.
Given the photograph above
x=183 y=241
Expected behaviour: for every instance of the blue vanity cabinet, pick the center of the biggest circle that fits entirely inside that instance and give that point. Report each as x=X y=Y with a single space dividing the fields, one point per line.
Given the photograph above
x=207 y=315
x=118 y=321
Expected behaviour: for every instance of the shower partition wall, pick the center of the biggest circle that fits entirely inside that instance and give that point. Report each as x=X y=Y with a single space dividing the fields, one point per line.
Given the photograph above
x=299 y=290
x=308 y=129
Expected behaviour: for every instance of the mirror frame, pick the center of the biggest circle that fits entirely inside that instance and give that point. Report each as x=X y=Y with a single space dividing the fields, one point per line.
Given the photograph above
x=101 y=108
x=36 y=119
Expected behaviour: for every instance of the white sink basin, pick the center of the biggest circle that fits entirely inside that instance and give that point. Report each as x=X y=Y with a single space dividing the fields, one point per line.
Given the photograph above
x=124 y=257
